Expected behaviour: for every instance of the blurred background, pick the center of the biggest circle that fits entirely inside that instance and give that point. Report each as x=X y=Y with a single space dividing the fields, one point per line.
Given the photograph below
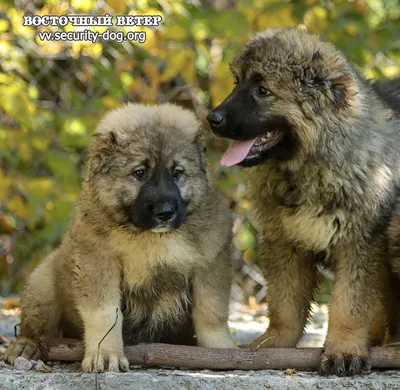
x=52 y=95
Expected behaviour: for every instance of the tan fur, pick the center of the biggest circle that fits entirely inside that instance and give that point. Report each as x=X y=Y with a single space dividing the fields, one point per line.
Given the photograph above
x=311 y=227
x=77 y=291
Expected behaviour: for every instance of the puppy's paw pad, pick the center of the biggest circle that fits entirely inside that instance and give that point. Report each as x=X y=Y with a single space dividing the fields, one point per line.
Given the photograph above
x=24 y=347
x=344 y=365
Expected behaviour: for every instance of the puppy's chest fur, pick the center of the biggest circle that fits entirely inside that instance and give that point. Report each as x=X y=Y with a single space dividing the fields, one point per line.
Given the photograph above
x=156 y=272
x=300 y=212
x=319 y=206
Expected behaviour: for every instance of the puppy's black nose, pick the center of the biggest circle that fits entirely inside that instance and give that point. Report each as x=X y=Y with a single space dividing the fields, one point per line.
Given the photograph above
x=215 y=118
x=164 y=211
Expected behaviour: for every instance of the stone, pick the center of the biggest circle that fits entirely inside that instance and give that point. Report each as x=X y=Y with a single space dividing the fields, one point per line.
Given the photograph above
x=22 y=364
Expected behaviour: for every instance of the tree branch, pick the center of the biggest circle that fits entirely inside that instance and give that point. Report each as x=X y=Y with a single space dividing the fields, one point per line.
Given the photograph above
x=215 y=359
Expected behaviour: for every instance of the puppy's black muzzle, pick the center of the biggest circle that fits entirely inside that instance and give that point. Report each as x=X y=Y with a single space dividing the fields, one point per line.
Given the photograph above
x=159 y=204
x=230 y=118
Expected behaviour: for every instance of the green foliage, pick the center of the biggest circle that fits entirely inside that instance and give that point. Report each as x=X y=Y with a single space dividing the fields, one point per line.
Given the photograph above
x=53 y=93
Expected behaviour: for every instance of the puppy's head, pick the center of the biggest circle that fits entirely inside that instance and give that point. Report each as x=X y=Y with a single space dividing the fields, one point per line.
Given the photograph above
x=146 y=167
x=290 y=87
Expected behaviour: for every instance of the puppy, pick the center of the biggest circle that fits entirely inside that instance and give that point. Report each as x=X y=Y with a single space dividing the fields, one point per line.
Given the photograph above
x=321 y=145
x=148 y=247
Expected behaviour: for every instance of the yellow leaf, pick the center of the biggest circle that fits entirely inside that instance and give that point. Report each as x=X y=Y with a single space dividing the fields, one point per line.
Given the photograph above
x=174 y=32
x=391 y=71
x=144 y=91
x=83 y=5
x=94 y=50
x=15 y=15
x=222 y=83
x=11 y=303
x=25 y=151
x=110 y=102
x=249 y=255
x=3 y=25
x=142 y=4
x=5 y=185
x=40 y=144
x=316 y=19
x=200 y=30
x=281 y=17
x=176 y=61
x=118 y=6
x=188 y=72
x=39 y=187
x=50 y=47
x=369 y=73
x=18 y=207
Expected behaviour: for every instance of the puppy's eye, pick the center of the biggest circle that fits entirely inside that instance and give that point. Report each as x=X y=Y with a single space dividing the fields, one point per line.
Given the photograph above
x=139 y=173
x=264 y=91
x=177 y=172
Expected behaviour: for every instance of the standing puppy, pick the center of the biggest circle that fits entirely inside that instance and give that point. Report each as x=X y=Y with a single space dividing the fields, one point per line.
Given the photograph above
x=324 y=150
x=149 y=244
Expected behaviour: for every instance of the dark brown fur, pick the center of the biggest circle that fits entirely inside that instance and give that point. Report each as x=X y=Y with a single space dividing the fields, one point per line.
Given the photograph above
x=326 y=190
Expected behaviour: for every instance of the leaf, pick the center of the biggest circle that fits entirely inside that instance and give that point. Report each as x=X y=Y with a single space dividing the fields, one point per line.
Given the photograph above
x=18 y=207
x=11 y=303
x=5 y=185
x=40 y=187
x=62 y=166
x=74 y=133
x=85 y=5
x=118 y=6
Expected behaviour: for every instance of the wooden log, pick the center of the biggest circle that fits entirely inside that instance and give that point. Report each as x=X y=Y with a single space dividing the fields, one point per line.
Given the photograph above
x=214 y=358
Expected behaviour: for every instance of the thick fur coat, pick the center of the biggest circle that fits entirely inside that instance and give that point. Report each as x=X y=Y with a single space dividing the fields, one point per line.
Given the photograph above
x=148 y=246
x=323 y=155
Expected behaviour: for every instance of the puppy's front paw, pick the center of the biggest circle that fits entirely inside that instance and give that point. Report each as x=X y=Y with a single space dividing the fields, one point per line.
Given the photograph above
x=24 y=347
x=225 y=343
x=97 y=362
x=344 y=364
x=215 y=338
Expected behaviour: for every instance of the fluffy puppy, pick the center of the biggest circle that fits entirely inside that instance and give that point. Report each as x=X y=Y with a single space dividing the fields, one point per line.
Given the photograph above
x=321 y=145
x=148 y=246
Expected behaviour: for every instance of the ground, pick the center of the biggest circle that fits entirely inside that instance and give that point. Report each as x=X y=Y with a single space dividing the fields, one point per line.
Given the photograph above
x=246 y=322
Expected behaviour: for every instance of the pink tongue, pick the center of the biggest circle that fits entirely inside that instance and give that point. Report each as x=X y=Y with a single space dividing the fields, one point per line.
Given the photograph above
x=237 y=152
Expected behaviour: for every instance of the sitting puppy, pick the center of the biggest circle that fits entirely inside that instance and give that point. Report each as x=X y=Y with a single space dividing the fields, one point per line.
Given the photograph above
x=150 y=239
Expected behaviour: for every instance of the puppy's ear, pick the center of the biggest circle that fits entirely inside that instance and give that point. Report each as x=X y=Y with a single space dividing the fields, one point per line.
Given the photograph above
x=103 y=146
x=334 y=75
x=199 y=141
x=344 y=90
x=200 y=134
x=199 y=137
x=105 y=142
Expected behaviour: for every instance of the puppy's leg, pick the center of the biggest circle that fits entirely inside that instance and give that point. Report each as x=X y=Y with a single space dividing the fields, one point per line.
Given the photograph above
x=292 y=277
x=40 y=313
x=97 y=294
x=357 y=307
x=211 y=294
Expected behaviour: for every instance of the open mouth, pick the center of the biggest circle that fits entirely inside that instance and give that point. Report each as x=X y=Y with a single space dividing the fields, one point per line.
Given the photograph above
x=240 y=151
